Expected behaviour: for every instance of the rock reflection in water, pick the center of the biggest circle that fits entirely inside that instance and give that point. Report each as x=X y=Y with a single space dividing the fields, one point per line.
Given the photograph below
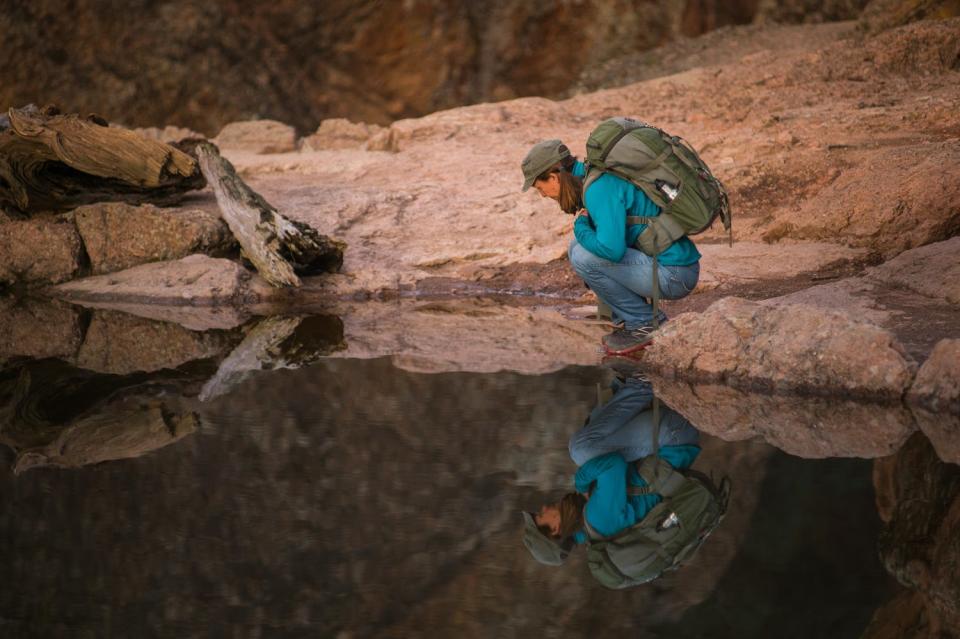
x=810 y=427
x=126 y=391
x=352 y=497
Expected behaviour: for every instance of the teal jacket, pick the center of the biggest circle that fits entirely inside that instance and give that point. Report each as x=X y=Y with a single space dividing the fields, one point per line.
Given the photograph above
x=609 y=509
x=604 y=233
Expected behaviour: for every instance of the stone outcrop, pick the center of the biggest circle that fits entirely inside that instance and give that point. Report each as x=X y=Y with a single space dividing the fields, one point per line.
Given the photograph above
x=787 y=348
x=932 y=271
x=935 y=399
x=117 y=236
x=811 y=427
x=257 y=136
x=196 y=280
x=38 y=251
x=339 y=133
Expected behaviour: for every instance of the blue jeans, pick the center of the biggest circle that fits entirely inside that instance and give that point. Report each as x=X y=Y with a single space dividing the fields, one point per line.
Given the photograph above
x=623 y=285
x=625 y=425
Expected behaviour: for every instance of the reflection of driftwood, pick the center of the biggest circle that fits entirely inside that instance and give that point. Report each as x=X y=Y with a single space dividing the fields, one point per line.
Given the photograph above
x=53 y=161
x=276 y=342
x=279 y=248
x=53 y=414
x=123 y=431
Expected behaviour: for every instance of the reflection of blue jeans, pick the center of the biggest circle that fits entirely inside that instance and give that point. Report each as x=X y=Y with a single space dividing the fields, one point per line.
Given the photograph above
x=625 y=425
x=624 y=284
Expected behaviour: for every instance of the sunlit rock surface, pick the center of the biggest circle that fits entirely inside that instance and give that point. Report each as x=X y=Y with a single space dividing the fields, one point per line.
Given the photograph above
x=257 y=136
x=117 y=235
x=38 y=251
x=795 y=347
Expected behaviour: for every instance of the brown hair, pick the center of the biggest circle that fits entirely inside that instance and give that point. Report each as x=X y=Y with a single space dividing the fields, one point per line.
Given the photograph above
x=571 y=187
x=571 y=515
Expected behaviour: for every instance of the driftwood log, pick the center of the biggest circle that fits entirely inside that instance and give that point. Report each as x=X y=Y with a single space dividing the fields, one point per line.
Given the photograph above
x=279 y=248
x=50 y=161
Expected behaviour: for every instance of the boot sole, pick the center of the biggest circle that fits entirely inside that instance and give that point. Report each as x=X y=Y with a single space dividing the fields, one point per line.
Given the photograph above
x=627 y=351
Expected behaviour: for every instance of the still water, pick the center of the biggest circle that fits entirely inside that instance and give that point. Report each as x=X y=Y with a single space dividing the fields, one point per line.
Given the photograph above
x=350 y=498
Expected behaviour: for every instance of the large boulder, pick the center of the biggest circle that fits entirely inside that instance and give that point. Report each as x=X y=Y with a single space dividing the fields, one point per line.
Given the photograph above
x=935 y=399
x=119 y=235
x=196 y=280
x=790 y=347
x=339 y=133
x=257 y=136
x=39 y=251
x=932 y=270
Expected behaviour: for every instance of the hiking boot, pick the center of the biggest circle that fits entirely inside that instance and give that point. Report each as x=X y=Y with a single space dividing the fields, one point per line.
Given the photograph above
x=623 y=340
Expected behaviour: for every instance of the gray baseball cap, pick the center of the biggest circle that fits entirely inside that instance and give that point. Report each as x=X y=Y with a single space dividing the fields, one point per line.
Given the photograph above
x=540 y=158
x=544 y=549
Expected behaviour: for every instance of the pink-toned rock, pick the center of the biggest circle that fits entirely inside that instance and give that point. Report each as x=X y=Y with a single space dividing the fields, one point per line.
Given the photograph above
x=932 y=270
x=120 y=344
x=118 y=235
x=935 y=397
x=339 y=133
x=810 y=427
x=796 y=348
x=169 y=134
x=42 y=250
x=196 y=280
x=937 y=386
x=38 y=329
x=257 y=136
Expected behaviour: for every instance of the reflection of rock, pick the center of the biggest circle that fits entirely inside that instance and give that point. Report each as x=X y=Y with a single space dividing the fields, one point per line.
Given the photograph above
x=920 y=543
x=41 y=250
x=797 y=348
x=276 y=343
x=38 y=328
x=935 y=399
x=119 y=343
x=119 y=235
x=119 y=430
x=811 y=427
x=469 y=335
x=257 y=136
x=195 y=318
x=196 y=280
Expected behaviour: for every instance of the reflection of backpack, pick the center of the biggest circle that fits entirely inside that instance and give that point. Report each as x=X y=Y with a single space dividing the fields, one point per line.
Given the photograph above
x=668 y=170
x=670 y=533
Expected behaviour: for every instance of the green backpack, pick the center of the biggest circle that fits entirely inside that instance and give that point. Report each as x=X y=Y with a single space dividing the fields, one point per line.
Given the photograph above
x=668 y=535
x=670 y=172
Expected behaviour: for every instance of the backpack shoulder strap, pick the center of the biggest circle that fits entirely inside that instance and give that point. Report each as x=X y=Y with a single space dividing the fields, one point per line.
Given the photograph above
x=661 y=477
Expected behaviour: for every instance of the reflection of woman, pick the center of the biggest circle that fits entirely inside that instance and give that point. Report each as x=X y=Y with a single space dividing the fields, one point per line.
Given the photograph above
x=616 y=433
x=602 y=253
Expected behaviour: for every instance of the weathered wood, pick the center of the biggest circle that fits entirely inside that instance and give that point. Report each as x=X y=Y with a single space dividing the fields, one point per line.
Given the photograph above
x=274 y=343
x=279 y=248
x=50 y=161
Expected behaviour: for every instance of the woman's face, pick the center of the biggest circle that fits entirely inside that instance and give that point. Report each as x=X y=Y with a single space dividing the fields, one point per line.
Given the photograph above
x=549 y=516
x=549 y=186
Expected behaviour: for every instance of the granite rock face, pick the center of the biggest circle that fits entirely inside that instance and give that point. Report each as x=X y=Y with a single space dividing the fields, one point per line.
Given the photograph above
x=932 y=270
x=339 y=133
x=935 y=399
x=196 y=280
x=792 y=348
x=118 y=235
x=38 y=251
x=257 y=136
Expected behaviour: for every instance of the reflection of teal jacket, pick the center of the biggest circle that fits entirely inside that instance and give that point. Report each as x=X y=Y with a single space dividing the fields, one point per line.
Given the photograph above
x=604 y=233
x=609 y=509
